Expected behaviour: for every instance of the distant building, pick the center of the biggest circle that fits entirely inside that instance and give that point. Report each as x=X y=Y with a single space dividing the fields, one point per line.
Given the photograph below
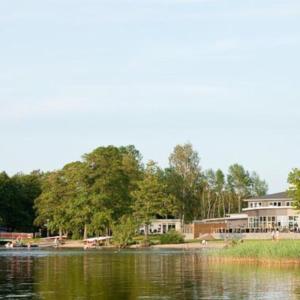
x=272 y=211
x=229 y=223
x=263 y=214
x=160 y=226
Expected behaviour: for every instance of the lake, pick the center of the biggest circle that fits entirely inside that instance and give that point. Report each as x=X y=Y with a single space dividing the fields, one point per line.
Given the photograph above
x=138 y=274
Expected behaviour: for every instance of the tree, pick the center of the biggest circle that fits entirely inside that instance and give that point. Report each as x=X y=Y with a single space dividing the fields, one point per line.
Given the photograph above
x=220 y=186
x=17 y=195
x=186 y=174
x=258 y=187
x=150 y=196
x=294 y=189
x=87 y=196
x=101 y=222
x=239 y=181
x=112 y=174
x=50 y=205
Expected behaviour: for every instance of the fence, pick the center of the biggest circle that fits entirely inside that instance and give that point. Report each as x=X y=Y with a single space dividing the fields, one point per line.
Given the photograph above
x=15 y=235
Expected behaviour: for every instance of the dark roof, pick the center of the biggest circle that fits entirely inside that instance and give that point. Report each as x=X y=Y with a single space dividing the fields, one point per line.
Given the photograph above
x=282 y=195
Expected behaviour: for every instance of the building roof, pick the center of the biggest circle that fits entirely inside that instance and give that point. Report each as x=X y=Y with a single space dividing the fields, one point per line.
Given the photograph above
x=227 y=218
x=276 y=196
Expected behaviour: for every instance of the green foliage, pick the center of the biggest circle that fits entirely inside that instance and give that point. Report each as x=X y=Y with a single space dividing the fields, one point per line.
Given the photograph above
x=171 y=237
x=263 y=249
x=150 y=197
x=184 y=178
x=17 y=194
x=101 y=222
x=294 y=190
x=244 y=185
x=124 y=231
x=88 y=196
x=258 y=187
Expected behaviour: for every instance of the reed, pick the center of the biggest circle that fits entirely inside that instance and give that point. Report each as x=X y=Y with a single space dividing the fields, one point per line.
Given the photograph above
x=289 y=249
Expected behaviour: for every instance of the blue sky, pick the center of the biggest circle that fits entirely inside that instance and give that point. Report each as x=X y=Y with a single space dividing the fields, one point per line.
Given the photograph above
x=223 y=75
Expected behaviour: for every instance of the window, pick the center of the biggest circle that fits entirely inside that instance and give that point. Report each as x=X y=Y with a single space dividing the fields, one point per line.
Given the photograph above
x=287 y=203
x=279 y=203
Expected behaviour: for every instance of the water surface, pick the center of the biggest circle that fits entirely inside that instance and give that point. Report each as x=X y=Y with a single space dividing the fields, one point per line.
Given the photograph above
x=136 y=274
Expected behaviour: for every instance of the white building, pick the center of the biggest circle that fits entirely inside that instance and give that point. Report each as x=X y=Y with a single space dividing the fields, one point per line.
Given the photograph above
x=272 y=211
x=160 y=226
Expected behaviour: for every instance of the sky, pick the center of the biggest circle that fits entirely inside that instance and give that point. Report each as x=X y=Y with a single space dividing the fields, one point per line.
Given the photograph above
x=220 y=74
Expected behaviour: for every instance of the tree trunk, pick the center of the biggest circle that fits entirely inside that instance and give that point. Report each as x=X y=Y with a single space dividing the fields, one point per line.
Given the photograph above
x=208 y=202
x=60 y=233
x=146 y=232
x=223 y=201
x=85 y=232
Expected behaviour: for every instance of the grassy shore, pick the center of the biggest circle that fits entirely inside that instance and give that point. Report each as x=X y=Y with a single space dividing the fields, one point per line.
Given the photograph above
x=261 y=250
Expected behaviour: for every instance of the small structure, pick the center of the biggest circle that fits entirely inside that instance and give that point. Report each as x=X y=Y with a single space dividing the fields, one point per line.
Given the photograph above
x=230 y=223
x=15 y=235
x=161 y=226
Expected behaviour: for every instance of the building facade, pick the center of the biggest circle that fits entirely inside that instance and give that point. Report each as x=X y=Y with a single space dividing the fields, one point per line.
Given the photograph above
x=161 y=226
x=272 y=211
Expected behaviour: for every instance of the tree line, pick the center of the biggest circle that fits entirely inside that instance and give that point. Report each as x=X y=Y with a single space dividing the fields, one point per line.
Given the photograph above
x=111 y=187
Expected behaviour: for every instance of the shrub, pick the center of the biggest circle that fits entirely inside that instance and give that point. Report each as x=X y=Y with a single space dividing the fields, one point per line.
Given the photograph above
x=124 y=231
x=171 y=237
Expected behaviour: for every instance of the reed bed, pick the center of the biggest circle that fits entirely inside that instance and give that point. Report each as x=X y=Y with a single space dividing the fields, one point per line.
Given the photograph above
x=282 y=249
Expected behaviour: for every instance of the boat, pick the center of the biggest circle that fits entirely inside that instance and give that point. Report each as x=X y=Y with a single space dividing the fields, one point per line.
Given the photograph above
x=95 y=242
x=13 y=245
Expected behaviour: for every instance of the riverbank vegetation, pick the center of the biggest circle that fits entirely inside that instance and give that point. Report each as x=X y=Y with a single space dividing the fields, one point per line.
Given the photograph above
x=111 y=185
x=268 y=250
x=17 y=196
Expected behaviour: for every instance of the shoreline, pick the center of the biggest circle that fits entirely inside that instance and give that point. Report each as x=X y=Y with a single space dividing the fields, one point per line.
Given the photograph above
x=216 y=254
x=210 y=245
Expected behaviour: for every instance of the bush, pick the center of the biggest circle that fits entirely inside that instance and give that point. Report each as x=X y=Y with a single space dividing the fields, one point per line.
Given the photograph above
x=124 y=231
x=171 y=237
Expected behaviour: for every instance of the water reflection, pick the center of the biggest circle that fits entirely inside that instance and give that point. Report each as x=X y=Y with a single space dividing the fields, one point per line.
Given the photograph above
x=149 y=274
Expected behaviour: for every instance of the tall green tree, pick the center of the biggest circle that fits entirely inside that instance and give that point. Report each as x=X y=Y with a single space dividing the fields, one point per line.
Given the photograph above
x=259 y=187
x=112 y=174
x=150 y=196
x=220 y=187
x=51 y=204
x=185 y=173
x=239 y=181
x=17 y=195
x=294 y=188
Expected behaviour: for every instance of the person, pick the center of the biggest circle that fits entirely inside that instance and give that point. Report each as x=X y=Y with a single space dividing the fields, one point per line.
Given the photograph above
x=277 y=235
x=273 y=234
x=204 y=243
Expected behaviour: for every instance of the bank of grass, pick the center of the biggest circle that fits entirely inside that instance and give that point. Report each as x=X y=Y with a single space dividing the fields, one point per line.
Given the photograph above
x=261 y=250
x=171 y=237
